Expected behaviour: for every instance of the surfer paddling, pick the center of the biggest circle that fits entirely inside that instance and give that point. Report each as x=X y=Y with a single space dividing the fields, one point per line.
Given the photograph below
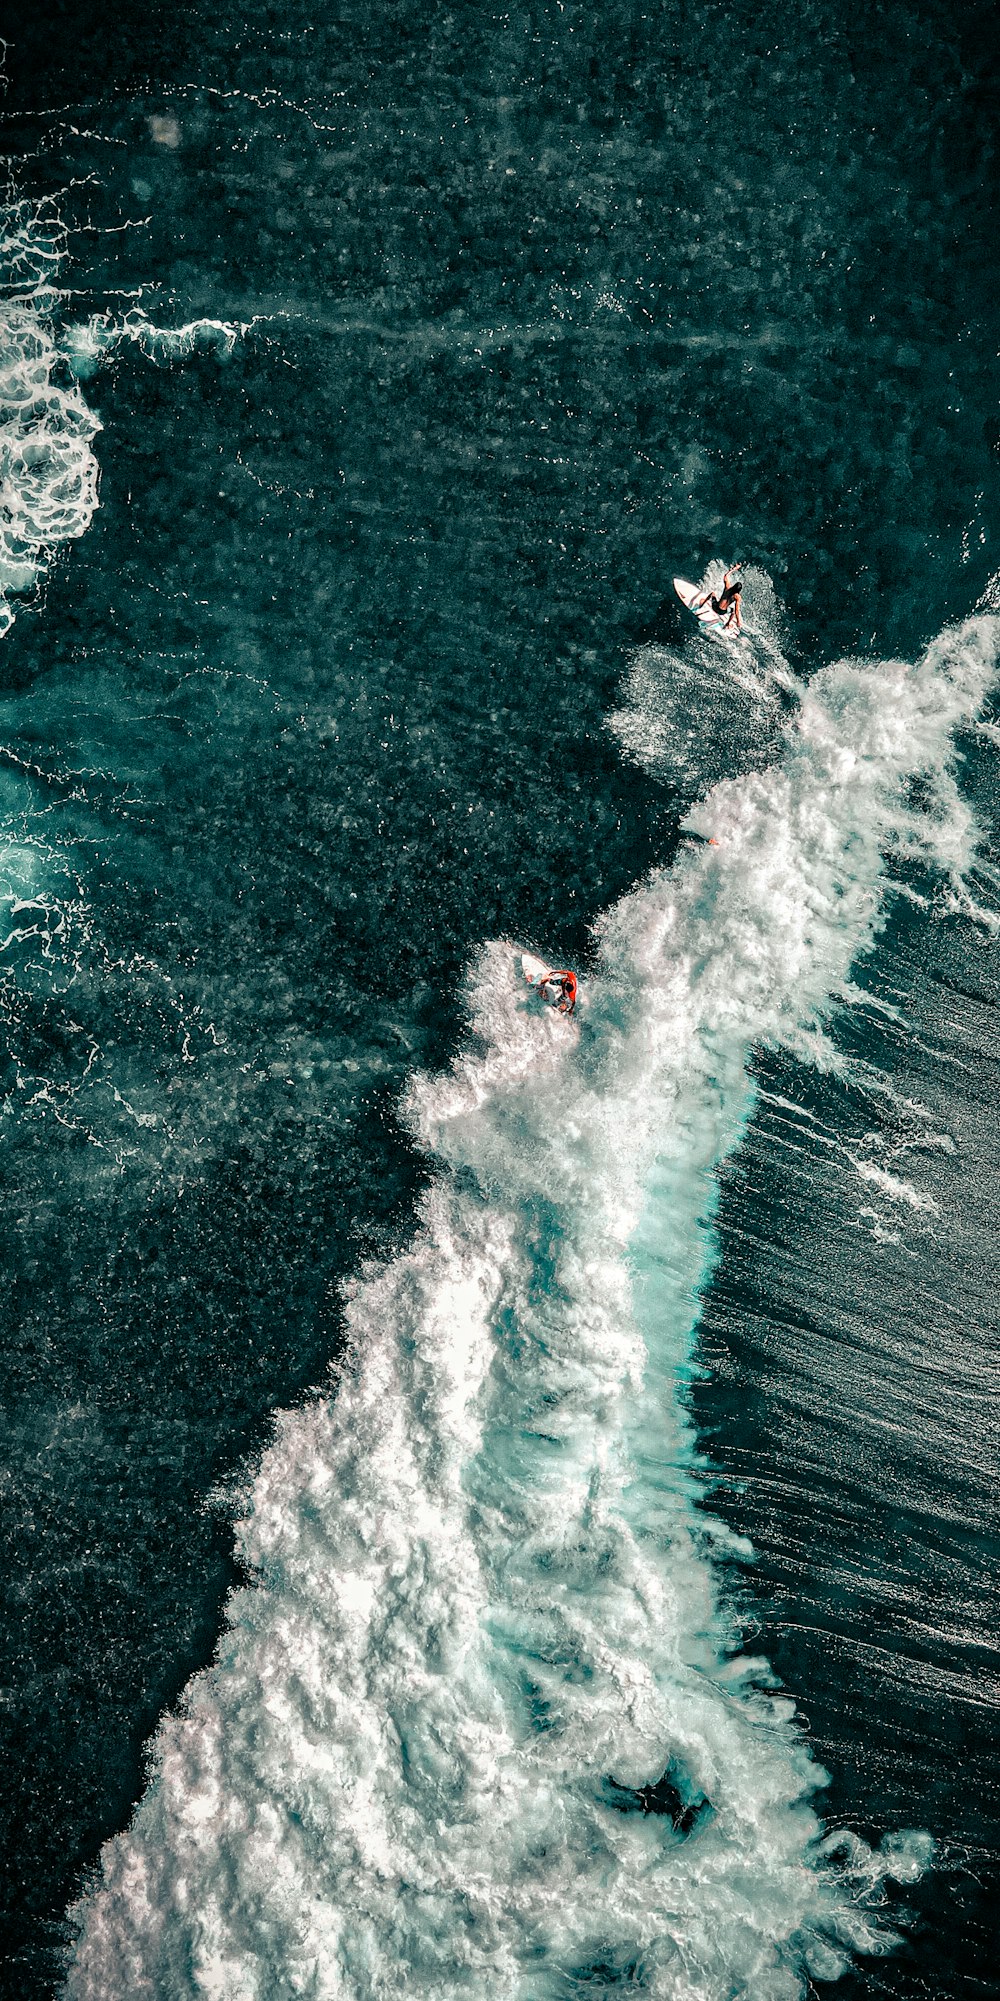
x=727 y=602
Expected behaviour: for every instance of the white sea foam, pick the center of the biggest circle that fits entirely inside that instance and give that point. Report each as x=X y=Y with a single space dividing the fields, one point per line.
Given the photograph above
x=489 y=1617
x=48 y=471
x=896 y=1188
x=90 y=343
x=48 y=496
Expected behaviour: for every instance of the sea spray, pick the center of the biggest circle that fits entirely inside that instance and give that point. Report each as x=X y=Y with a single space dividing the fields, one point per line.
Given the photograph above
x=481 y=1726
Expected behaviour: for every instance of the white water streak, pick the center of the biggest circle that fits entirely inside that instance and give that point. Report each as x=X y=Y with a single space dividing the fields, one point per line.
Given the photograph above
x=95 y=340
x=48 y=472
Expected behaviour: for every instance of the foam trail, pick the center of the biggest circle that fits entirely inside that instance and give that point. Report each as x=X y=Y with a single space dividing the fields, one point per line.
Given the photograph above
x=696 y=712
x=481 y=1728
x=48 y=472
x=88 y=345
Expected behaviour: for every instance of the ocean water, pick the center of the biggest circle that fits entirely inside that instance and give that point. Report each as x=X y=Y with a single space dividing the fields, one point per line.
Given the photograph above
x=499 y=1505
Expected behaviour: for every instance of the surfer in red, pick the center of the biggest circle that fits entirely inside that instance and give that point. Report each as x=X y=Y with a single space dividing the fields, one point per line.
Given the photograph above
x=559 y=989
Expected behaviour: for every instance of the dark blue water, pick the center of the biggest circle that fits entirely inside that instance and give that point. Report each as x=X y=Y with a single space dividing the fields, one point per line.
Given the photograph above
x=494 y=323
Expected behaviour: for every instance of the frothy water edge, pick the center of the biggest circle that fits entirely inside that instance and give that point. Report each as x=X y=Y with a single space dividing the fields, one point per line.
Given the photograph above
x=48 y=471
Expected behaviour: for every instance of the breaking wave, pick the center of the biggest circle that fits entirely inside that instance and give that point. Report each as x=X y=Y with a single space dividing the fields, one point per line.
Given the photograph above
x=482 y=1726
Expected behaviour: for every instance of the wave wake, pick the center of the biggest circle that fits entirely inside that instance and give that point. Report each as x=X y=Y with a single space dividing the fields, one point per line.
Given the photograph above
x=482 y=1726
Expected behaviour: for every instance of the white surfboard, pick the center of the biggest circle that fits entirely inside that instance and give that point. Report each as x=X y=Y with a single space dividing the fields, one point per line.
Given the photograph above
x=690 y=596
x=535 y=970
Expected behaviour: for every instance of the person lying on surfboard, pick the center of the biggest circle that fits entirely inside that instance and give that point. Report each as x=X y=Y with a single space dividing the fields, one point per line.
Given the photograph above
x=559 y=989
x=727 y=601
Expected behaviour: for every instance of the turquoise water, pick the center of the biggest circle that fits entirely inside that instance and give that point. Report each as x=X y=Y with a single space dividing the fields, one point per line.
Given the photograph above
x=367 y=656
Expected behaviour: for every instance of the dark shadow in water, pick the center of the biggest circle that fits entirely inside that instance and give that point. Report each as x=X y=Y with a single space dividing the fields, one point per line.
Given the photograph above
x=664 y=1797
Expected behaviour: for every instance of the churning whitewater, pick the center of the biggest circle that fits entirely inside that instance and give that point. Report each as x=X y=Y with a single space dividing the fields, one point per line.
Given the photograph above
x=48 y=471
x=481 y=1727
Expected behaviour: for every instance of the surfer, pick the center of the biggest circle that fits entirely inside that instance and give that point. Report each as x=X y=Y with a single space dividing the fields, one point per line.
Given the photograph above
x=559 y=989
x=727 y=602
